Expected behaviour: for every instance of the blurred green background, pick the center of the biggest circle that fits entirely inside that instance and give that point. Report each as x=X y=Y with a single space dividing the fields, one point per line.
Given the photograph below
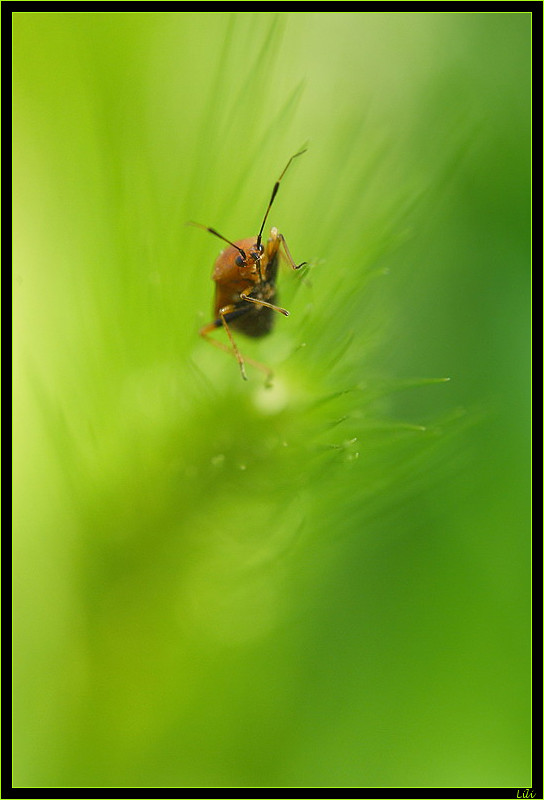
x=321 y=584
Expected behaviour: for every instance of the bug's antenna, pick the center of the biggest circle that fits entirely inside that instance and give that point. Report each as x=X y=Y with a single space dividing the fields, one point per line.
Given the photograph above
x=274 y=193
x=219 y=236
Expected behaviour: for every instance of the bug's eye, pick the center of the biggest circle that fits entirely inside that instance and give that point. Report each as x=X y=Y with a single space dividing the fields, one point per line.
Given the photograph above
x=239 y=261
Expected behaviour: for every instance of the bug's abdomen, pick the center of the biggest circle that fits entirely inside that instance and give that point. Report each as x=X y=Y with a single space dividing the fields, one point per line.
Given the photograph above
x=255 y=321
x=258 y=320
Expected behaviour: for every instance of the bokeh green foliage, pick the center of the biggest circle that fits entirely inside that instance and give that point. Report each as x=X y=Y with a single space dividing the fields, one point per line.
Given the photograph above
x=324 y=583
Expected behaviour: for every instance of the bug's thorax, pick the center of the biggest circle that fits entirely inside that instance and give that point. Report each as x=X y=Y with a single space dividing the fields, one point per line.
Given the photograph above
x=233 y=275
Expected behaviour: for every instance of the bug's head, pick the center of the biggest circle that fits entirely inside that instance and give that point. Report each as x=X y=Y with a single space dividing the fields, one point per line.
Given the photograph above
x=250 y=257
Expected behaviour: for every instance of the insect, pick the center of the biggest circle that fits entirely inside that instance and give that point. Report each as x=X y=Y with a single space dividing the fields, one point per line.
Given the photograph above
x=245 y=275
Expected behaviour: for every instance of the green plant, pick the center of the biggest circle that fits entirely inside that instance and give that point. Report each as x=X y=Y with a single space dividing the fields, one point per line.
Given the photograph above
x=219 y=584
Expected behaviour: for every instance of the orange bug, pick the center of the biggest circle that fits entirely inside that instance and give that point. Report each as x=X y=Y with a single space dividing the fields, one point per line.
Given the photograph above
x=245 y=285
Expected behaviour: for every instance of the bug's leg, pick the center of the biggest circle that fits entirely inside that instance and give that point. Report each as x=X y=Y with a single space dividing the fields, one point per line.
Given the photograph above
x=287 y=253
x=237 y=353
x=205 y=333
x=233 y=350
x=264 y=303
